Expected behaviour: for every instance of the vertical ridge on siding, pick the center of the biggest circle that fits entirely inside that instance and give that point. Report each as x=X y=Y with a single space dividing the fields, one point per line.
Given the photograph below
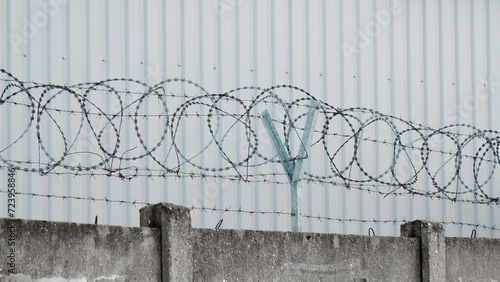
x=69 y=183
x=358 y=100
x=308 y=88
x=183 y=90
x=376 y=107
x=49 y=128
x=426 y=100
x=127 y=100
x=256 y=82
x=109 y=217
x=325 y=95
x=147 y=188
x=342 y=105
x=273 y=109
x=458 y=101
x=441 y=86
x=202 y=67
x=164 y=68
x=457 y=96
x=441 y=90
x=409 y=93
x=490 y=107
x=88 y=78
x=219 y=89
x=474 y=114
x=393 y=96
x=29 y=134
x=238 y=84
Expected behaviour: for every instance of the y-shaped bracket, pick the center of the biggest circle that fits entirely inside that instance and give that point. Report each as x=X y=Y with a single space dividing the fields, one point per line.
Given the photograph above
x=294 y=173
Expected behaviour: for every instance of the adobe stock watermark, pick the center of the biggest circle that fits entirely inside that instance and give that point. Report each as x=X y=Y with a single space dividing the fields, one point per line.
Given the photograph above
x=412 y=162
x=11 y=226
x=225 y=6
x=86 y=145
x=471 y=103
x=380 y=20
x=32 y=26
x=208 y=196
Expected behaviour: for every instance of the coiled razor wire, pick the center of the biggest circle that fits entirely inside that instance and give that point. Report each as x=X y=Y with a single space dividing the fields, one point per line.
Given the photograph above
x=473 y=156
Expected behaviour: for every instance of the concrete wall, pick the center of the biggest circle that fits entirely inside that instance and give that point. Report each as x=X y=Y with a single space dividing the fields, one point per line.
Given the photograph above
x=285 y=256
x=63 y=251
x=167 y=248
x=473 y=259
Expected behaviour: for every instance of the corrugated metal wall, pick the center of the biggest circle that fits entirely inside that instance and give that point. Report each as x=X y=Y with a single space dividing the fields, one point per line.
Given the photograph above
x=433 y=62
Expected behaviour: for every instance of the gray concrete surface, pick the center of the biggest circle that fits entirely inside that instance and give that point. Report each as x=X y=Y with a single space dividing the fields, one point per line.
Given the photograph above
x=167 y=248
x=175 y=224
x=433 y=249
x=60 y=251
x=472 y=259
x=244 y=255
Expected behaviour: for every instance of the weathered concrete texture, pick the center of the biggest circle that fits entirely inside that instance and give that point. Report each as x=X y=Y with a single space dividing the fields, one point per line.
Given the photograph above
x=433 y=249
x=236 y=255
x=167 y=248
x=175 y=224
x=472 y=259
x=59 y=251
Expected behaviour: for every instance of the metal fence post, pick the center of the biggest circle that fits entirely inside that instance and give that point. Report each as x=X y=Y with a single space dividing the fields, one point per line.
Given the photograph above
x=293 y=172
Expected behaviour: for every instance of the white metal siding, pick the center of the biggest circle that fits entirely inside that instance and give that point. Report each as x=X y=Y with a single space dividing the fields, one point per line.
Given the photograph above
x=424 y=61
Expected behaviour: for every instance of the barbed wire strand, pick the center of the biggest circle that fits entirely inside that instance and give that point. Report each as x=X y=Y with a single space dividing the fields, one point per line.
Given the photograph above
x=215 y=209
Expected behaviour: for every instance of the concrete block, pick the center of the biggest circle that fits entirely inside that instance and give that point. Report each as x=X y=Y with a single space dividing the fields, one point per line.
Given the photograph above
x=472 y=259
x=62 y=251
x=432 y=246
x=175 y=224
x=247 y=255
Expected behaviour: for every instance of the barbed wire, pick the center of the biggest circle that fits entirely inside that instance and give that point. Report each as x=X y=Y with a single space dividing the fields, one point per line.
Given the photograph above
x=457 y=160
x=216 y=209
x=399 y=221
x=270 y=178
x=197 y=115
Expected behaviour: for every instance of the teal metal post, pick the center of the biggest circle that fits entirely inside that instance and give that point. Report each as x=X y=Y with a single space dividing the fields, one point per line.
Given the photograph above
x=293 y=172
x=277 y=144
